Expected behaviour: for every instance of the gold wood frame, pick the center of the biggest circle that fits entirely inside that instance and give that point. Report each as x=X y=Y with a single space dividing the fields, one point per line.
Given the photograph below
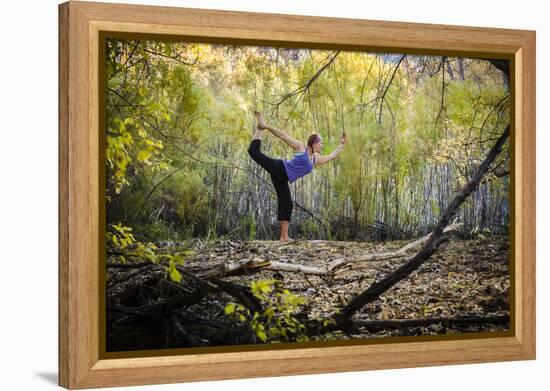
x=81 y=25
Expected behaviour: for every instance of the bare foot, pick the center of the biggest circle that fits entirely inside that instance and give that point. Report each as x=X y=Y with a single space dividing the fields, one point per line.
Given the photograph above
x=287 y=239
x=261 y=123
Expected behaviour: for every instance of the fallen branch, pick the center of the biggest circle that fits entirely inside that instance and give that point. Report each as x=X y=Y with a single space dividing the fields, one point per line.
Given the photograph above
x=240 y=292
x=401 y=323
x=184 y=297
x=375 y=290
x=129 y=265
x=163 y=306
x=256 y=264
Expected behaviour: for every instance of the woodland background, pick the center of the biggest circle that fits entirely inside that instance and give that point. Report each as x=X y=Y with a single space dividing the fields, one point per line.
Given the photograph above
x=179 y=121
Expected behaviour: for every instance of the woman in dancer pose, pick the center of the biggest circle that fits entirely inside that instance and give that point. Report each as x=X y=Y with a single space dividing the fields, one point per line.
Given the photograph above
x=284 y=171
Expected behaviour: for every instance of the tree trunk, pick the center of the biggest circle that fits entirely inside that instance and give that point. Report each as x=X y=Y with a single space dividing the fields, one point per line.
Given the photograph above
x=374 y=291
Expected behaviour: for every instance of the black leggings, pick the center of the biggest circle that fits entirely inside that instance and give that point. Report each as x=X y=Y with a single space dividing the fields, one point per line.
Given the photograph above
x=276 y=169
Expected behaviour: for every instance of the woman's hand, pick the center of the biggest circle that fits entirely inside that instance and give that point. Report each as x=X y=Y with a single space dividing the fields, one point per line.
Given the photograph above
x=343 y=138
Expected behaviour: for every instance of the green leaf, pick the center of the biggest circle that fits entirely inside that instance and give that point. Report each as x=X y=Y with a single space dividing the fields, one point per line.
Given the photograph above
x=142 y=91
x=261 y=287
x=262 y=335
x=175 y=275
x=143 y=155
x=229 y=308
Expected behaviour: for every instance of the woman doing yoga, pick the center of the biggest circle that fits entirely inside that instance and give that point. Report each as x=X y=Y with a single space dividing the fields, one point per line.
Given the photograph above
x=284 y=171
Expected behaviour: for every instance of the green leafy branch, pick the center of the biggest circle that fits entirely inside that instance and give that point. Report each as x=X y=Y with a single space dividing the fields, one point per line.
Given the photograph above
x=122 y=244
x=277 y=322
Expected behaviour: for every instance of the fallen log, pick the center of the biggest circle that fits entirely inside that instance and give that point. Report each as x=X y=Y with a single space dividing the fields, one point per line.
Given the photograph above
x=256 y=264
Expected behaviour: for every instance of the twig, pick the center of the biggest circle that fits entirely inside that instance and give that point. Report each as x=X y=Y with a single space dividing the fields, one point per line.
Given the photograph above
x=458 y=321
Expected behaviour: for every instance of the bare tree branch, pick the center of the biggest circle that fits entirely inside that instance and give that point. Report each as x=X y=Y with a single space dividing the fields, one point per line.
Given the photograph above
x=306 y=86
x=374 y=291
x=383 y=96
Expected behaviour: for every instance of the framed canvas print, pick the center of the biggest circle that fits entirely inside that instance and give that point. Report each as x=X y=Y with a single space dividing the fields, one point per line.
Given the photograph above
x=246 y=195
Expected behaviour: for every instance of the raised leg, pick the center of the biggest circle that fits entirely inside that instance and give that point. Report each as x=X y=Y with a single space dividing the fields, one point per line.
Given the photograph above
x=292 y=142
x=258 y=134
x=255 y=152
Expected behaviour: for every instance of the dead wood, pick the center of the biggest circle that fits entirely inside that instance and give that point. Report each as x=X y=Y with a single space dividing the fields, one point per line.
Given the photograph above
x=448 y=321
x=256 y=264
x=181 y=295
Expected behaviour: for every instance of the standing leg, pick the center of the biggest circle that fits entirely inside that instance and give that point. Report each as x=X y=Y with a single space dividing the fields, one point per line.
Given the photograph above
x=284 y=231
x=284 y=206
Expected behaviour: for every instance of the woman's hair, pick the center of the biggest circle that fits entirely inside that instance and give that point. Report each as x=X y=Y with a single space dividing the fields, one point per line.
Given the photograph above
x=312 y=139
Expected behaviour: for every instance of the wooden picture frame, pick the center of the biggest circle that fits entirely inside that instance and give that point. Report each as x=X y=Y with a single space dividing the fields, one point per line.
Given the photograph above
x=82 y=26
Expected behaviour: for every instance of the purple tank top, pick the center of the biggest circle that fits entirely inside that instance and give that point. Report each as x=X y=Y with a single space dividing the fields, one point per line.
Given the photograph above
x=298 y=166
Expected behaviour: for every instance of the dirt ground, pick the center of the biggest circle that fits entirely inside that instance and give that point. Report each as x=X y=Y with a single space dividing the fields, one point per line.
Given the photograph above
x=463 y=278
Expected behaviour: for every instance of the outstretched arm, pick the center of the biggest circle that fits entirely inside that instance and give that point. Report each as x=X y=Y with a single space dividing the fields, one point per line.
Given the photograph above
x=292 y=142
x=327 y=158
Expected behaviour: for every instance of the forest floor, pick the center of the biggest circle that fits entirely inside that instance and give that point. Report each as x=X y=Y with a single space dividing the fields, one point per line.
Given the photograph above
x=463 y=278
